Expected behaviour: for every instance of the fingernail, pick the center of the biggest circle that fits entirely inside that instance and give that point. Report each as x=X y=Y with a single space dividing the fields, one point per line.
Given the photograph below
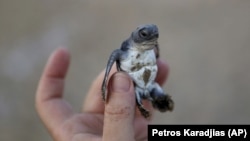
x=121 y=83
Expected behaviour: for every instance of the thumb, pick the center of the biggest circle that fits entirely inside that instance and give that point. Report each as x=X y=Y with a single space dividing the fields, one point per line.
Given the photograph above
x=119 y=109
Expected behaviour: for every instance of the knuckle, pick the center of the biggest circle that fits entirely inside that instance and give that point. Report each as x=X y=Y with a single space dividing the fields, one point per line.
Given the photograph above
x=117 y=112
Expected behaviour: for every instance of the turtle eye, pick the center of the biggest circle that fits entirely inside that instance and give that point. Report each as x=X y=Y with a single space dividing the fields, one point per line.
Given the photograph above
x=143 y=33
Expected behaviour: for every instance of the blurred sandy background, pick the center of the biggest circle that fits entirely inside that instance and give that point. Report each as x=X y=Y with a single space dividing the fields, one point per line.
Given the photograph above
x=206 y=43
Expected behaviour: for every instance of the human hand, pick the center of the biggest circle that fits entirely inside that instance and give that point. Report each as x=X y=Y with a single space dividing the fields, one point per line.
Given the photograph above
x=117 y=119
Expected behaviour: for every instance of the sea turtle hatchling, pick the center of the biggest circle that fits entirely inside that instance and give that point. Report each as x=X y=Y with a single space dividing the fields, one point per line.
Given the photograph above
x=137 y=56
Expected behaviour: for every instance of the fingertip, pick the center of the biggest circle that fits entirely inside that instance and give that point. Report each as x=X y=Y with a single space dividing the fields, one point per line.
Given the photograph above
x=58 y=63
x=60 y=52
x=62 y=49
x=120 y=83
x=120 y=89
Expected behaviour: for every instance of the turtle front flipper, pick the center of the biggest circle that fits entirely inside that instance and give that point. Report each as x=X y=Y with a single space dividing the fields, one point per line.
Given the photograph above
x=114 y=57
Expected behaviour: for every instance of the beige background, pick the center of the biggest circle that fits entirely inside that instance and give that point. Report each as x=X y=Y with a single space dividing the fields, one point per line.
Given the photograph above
x=206 y=44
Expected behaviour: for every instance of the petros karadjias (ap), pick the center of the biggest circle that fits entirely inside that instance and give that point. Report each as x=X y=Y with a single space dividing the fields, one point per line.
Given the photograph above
x=188 y=132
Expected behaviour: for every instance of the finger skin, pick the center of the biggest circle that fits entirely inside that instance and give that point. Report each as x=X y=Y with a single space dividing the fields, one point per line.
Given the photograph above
x=52 y=109
x=93 y=102
x=119 y=109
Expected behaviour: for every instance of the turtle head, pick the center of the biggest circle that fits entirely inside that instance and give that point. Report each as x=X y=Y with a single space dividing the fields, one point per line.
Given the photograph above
x=145 y=36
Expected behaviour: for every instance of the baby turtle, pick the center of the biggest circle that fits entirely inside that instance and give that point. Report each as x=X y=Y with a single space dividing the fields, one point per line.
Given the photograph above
x=137 y=57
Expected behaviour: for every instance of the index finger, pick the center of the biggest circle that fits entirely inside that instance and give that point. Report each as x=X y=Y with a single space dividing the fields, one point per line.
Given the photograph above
x=53 y=110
